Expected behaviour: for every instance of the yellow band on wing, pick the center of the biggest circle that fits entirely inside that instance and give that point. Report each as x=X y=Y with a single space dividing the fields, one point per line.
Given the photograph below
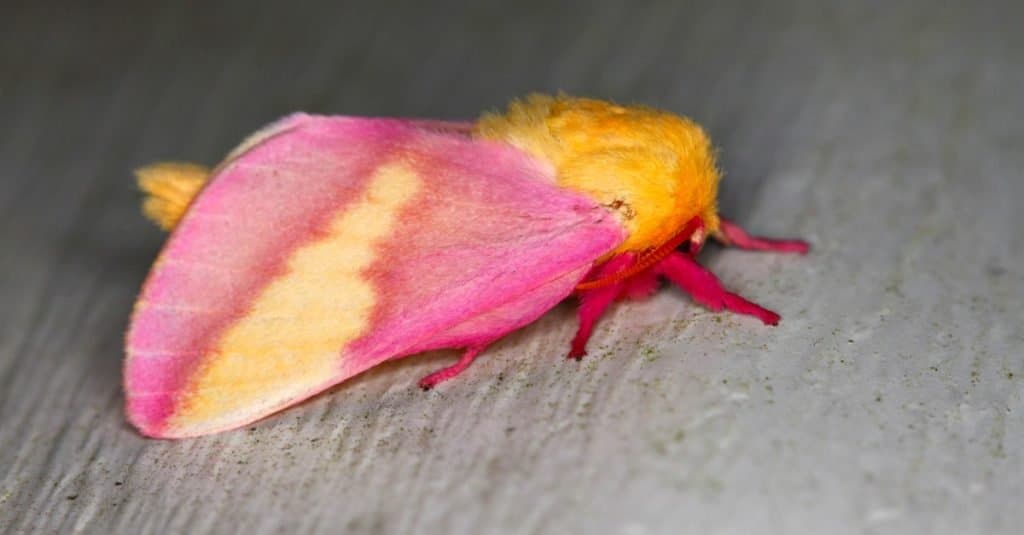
x=289 y=342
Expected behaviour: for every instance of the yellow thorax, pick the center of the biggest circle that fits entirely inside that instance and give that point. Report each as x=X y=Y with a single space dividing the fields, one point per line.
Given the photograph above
x=656 y=170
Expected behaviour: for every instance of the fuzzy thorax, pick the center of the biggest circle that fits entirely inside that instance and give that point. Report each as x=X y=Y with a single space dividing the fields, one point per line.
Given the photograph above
x=654 y=169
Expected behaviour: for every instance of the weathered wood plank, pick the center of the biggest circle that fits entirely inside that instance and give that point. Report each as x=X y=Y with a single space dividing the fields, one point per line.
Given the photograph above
x=889 y=399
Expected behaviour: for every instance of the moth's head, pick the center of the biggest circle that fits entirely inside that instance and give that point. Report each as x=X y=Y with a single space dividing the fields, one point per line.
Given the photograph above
x=655 y=170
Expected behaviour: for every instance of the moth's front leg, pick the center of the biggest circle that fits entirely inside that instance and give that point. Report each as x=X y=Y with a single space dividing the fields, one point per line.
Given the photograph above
x=731 y=234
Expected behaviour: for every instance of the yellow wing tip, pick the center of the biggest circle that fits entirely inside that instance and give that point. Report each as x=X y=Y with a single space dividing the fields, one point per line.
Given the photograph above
x=169 y=188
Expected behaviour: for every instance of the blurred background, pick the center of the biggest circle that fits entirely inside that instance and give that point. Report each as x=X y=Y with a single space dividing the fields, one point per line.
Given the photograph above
x=888 y=401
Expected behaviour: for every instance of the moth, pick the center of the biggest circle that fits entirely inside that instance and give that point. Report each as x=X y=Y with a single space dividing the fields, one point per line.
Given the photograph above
x=325 y=245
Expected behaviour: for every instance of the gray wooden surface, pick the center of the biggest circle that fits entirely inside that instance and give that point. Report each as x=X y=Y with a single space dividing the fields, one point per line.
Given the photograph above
x=889 y=400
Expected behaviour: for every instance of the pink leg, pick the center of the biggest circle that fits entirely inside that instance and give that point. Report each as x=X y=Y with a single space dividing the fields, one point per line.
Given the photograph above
x=732 y=234
x=444 y=374
x=593 y=303
x=641 y=286
x=705 y=288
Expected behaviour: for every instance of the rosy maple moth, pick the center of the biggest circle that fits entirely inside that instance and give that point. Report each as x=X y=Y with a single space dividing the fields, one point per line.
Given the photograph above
x=325 y=245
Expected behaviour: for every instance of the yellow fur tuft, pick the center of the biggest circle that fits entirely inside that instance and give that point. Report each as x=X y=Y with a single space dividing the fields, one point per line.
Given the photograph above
x=169 y=188
x=656 y=170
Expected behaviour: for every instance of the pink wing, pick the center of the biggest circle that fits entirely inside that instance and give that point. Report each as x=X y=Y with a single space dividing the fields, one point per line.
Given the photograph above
x=327 y=245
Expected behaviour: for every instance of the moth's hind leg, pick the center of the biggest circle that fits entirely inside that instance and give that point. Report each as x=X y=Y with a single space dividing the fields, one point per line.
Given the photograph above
x=480 y=331
x=432 y=380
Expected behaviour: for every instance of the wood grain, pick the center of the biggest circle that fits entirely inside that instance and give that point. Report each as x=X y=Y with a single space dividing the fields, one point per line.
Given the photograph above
x=889 y=400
